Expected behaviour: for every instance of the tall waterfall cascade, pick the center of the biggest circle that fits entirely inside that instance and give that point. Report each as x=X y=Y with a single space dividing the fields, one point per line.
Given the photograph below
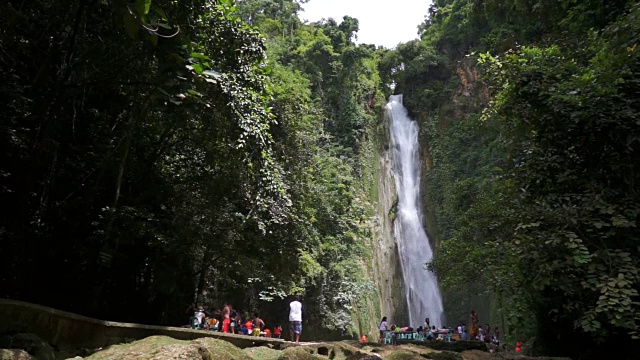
x=421 y=286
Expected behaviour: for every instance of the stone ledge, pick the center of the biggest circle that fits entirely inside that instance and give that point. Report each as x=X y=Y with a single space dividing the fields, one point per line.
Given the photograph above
x=67 y=330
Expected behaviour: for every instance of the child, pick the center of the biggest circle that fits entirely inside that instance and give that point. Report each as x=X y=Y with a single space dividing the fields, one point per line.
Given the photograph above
x=382 y=328
x=496 y=336
x=212 y=324
x=277 y=332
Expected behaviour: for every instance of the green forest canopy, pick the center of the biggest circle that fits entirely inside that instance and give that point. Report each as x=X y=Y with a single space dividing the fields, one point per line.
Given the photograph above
x=157 y=152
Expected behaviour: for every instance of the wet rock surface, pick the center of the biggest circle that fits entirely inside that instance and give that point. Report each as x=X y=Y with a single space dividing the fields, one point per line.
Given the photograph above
x=25 y=346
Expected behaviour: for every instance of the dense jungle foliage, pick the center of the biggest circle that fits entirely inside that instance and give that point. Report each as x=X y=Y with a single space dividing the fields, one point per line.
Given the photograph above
x=161 y=152
x=533 y=164
x=157 y=153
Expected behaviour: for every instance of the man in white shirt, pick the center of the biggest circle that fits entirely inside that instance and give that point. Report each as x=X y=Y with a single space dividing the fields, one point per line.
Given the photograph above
x=199 y=315
x=295 y=318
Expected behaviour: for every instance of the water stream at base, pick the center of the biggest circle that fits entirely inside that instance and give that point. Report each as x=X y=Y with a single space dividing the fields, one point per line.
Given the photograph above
x=421 y=286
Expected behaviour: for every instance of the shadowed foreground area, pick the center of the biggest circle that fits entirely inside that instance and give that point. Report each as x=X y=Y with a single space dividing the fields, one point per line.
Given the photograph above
x=29 y=331
x=164 y=347
x=160 y=347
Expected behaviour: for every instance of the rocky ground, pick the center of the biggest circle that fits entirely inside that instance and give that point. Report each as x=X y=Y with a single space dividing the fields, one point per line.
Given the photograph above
x=29 y=347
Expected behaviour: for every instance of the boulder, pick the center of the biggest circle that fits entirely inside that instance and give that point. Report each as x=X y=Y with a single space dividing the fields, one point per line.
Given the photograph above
x=301 y=353
x=455 y=346
x=403 y=355
x=363 y=356
x=30 y=343
x=263 y=352
x=164 y=347
x=14 y=354
x=220 y=349
x=445 y=355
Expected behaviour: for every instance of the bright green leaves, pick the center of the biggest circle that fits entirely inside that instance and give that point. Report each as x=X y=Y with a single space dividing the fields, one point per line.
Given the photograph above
x=224 y=71
x=574 y=188
x=309 y=266
x=142 y=7
x=322 y=87
x=228 y=183
x=228 y=9
x=199 y=56
x=562 y=126
x=197 y=68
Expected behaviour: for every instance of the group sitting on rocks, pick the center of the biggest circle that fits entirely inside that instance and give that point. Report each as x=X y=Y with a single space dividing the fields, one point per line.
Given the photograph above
x=229 y=320
x=430 y=332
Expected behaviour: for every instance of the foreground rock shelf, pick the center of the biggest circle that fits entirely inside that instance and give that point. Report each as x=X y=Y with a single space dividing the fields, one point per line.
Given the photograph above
x=29 y=331
x=164 y=347
x=68 y=331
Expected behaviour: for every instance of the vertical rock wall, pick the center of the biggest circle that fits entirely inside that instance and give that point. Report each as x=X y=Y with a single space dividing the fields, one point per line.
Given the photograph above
x=469 y=97
x=385 y=269
x=386 y=263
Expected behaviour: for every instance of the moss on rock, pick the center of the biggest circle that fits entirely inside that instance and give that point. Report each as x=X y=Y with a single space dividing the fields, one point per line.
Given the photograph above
x=220 y=349
x=446 y=355
x=149 y=348
x=263 y=353
x=455 y=346
x=403 y=355
x=164 y=347
x=301 y=353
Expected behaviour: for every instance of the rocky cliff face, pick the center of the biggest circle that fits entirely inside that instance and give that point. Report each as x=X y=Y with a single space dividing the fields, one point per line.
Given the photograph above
x=385 y=270
x=386 y=262
x=469 y=97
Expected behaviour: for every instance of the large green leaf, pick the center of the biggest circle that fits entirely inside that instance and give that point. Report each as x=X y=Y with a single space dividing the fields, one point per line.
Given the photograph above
x=142 y=7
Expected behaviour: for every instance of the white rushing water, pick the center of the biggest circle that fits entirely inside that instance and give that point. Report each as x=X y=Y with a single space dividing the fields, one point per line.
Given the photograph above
x=421 y=286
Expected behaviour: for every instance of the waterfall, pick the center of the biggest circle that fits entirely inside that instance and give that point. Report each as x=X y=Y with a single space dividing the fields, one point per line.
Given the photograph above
x=421 y=286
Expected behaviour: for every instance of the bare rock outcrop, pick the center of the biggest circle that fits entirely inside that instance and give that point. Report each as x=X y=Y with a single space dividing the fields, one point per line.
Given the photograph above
x=14 y=354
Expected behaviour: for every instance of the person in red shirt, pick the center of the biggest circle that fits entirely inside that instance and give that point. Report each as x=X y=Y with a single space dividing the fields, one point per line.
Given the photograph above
x=225 y=325
x=277 y=331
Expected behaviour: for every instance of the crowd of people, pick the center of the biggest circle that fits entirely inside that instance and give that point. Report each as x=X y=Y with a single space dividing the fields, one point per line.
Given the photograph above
x=485 y=333
x=430 y=332
x=229 y=320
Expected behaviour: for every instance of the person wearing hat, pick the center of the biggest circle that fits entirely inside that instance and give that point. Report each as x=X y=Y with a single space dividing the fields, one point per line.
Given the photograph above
x=199 y=315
